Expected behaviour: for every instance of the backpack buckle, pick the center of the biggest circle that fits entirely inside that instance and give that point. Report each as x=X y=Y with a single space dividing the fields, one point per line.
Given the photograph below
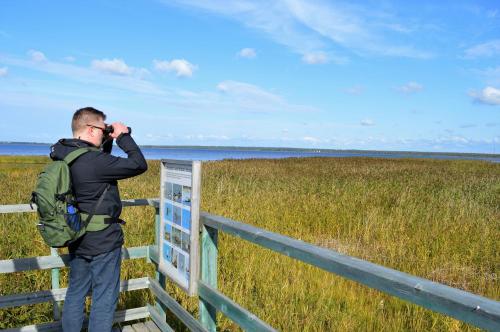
x=33 y=199
x=60 y=197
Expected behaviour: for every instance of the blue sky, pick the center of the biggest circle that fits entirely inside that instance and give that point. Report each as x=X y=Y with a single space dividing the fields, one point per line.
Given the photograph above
x=385 y=75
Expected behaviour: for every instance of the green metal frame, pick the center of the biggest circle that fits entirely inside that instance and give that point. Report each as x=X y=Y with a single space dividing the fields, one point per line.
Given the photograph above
x=209 y=252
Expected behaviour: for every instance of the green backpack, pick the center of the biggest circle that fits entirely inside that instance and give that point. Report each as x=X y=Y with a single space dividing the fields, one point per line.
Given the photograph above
x=60 y=222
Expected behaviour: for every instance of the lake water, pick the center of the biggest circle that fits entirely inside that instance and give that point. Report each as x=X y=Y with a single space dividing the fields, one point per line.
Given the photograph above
x=235 y=153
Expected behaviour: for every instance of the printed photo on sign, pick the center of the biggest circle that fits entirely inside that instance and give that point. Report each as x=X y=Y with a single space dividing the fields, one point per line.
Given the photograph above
x=177 y=193
x=177 y=215
x=168 y=232
x=175 y=258
x=167 y=252
x=186 y=218
x=182 y=264
x=187 y=270
x=176 y=237
x=185 y=242
x=186 y=195
x=169 y=191
x=168 y=207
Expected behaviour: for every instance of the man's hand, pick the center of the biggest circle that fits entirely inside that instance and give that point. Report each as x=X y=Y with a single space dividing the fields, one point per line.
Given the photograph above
x=118 y=129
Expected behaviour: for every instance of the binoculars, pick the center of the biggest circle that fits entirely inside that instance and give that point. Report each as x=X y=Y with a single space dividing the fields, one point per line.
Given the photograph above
x=108 y=129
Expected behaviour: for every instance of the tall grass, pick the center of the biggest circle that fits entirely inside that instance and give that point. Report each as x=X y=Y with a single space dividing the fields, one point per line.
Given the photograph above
x=431 y=218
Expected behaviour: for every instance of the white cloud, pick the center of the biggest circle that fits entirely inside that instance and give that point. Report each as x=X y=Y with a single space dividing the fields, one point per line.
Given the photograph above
x=115 y=66
x=37 y=56
x=491 y=75
x=4 y=71
x=87 y=75
x=488 y=49
x=307 y=26
x=248 y=53
x=69 y=59
x=367 y=122
x=354 y=90
x=489 y=96
x=468 y=125
x=311 y=139
x=118 y=67
x=492 y=13
x=410 y=87
x=315 y=58
x=202 y=137
x=230 y=98
x=253 y=98
x=181 y=67
x=248 y=91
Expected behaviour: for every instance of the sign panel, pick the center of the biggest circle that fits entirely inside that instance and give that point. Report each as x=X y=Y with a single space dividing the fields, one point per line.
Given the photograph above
x=179 y=222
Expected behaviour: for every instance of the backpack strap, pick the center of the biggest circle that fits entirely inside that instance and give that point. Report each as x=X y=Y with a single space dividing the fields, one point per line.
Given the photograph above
x=70 y=157
x=89 y=217
x=100 y=222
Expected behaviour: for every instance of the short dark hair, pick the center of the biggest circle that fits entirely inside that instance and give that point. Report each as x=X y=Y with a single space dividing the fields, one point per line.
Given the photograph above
x=85 y=115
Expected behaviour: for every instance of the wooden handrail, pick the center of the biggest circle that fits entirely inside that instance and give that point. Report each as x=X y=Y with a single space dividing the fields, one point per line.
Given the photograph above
x=18 y=208
x=468 y=307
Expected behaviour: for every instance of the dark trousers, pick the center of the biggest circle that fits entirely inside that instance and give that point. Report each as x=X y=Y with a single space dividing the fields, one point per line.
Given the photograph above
x=101 y=274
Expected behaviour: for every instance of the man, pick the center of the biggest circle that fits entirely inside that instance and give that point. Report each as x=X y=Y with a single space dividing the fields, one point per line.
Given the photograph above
x=95 y=258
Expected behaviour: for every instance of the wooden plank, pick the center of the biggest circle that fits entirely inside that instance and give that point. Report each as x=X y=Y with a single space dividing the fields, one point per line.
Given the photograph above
x=128 y=328
x=194 y=260
x=50 y=262
x=244 y=318
x=55 y=273
x=131 y=314
x=181 y=313
x=208 y=312
x=20 y=208
x=140 y=327
x=120 y=316
x=468 y=307
x=162 y=280
x=153 y=254
x=152 y=326
x=16 y=300
x=17 y=208
x=158 y=320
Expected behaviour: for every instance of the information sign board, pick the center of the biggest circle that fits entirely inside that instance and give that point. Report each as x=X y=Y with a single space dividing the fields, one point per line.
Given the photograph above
x=179 y=222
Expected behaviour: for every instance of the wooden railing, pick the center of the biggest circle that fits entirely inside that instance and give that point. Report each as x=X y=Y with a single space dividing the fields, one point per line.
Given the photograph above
x=474 y=309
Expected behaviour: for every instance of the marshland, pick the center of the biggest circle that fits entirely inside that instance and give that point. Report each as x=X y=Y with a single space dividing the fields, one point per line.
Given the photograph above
x=436 y=219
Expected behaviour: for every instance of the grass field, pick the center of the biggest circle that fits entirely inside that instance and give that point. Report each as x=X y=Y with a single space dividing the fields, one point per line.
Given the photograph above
x=435 y=219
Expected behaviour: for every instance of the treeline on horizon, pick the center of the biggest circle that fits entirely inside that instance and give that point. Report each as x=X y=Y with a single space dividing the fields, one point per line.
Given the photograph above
x=410 y=154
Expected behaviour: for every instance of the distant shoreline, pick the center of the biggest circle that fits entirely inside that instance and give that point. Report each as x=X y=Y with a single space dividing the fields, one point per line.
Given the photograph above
x=309 y=150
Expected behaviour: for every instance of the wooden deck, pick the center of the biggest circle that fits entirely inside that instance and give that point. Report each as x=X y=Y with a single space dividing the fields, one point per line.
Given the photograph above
x=148 y=326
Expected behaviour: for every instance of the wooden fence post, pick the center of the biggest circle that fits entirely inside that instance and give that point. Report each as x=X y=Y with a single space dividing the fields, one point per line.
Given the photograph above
x=55 y=273
x=159 y=276
x=209 y=237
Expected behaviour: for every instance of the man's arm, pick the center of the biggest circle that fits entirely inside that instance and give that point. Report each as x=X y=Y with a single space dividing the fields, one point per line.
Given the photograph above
x=115 y=168
x=108 y=145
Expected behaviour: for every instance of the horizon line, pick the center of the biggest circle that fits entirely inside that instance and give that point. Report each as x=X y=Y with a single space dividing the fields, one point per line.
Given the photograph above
x=284 y=149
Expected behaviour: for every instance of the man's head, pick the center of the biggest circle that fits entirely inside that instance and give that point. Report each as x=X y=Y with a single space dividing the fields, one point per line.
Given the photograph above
x=88 y=124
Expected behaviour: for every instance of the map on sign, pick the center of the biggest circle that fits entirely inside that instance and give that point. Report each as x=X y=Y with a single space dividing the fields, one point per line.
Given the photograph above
x=179 y=219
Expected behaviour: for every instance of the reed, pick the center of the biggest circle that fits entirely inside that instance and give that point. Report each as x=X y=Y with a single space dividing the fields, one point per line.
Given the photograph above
x=436 y=219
